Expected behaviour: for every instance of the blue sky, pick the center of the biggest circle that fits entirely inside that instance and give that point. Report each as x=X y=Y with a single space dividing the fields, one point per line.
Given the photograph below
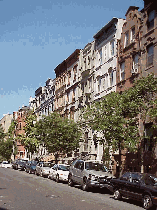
x=37 y=35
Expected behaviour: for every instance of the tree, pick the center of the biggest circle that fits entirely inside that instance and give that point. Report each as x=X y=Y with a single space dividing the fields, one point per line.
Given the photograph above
x=29 y=139
x=2 y=134
x=11 y=136
x=6 y=149
x=6 y=145
x=60 y=135
x=117 y=130
x=116 y=115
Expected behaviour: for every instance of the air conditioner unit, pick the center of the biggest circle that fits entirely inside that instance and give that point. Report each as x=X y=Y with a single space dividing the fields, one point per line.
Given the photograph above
x=134 y=71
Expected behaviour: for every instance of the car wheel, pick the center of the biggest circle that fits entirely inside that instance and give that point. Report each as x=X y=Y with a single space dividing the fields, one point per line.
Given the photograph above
x=70 y=181
x=117 y=195
x=147 y=202
x=84 y=185
x=57 y=178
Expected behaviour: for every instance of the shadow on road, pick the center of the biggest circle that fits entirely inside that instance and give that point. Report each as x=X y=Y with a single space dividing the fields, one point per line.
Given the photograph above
x=130 y=201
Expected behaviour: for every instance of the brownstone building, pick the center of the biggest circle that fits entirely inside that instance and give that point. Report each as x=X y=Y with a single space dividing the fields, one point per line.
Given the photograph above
x=148 y=38
x=19 y=116
x=66 y=83
x=128 y=65
x=137 y=56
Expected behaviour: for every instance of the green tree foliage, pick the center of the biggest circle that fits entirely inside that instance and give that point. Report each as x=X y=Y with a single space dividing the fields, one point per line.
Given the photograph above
x=6 y=149
x=116 y=115
x=6 y=145
x=60 y=135
x=2 y=134
x=11 y=136
x=28 y=139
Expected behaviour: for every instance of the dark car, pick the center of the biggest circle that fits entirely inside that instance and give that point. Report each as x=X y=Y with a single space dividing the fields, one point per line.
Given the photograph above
x=89 y=174
x=19 y=164
x=137 y=186
x=31 y=167
x=14 y=165
x=28 y=166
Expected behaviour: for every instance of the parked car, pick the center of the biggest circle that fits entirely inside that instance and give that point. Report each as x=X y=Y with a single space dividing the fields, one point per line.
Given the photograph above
x=31 y=167
x=59 y=172
x=28 y=166
x=137 y=186
x=43 y=169
x=6 y=164
x=19 y=164
x=14 y=165
x=89 y=174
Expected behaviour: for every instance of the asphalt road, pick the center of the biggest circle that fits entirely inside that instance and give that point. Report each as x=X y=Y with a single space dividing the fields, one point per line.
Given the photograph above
x=22 y=191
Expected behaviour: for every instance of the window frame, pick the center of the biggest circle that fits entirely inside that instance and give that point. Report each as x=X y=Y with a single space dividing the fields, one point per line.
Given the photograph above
x=134 y=63
x=150 y=56
x=122 y=71
x=112 y=48
x=132 y=36
x=150 y=21
x=126 y=41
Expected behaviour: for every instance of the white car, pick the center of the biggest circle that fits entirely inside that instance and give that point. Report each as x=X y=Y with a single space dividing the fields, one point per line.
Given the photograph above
x=6 y=164
x=59 y=172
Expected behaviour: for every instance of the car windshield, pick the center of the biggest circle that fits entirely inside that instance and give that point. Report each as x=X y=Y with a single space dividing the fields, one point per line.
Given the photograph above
x=34 y=163
x=95 y=166
x=63 y=168
x=149 y=179
x=47 y=165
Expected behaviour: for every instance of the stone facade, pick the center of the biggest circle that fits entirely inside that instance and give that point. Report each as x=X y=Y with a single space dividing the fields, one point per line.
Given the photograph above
x=19 y=116
x=6 y=122
x=128 y=65
x=44 y=99
x=121 y=52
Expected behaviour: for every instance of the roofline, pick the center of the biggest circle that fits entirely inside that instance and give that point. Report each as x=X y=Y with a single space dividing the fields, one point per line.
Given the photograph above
x=106 y=26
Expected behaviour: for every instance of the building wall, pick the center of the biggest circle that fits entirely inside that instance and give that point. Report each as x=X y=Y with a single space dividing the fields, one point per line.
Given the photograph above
x=6 y=122
x=148 y=38
x=19 y=116
x=129 y=58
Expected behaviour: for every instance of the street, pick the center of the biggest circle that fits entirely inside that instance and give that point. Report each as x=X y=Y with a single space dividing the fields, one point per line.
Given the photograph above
x=19 y=190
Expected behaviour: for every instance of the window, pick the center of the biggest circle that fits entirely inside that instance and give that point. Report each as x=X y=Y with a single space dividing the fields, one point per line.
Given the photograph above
x=150 y=55
x=150 y=22
x=126 y=39
x=112 y=48
x=110 y=78
x=132 y=37
x=148 y=140
x=122 y=71
x=99 y=84
x=135 y=63
x=90 y=84
x=100 y=56
x=125 y=176
x=69 y=75
x=105 y=53
x=85 y=64
x=73 y=96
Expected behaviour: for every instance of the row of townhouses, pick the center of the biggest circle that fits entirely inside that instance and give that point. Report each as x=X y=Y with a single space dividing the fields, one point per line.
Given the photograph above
x=122 y=51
